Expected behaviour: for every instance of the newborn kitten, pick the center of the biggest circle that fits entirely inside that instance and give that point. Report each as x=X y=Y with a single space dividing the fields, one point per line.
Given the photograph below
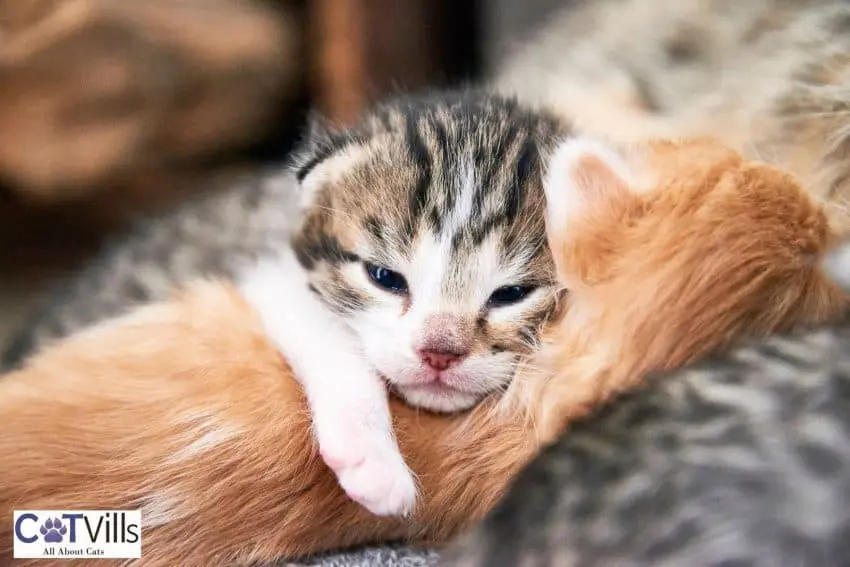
x=420 y=261
x=743 y=459
x=423 y=230
x=187 y=410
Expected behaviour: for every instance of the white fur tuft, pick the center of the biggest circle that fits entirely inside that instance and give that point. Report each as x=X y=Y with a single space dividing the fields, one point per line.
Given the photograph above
x=203 y=432
x=162 y=507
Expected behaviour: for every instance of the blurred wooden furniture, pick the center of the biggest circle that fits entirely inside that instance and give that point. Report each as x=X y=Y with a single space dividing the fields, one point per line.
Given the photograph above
x=111 y=108
x=94 y=91
x=364 y=49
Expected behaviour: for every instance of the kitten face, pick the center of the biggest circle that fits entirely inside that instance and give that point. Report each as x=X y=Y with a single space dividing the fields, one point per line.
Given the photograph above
x=424 y=230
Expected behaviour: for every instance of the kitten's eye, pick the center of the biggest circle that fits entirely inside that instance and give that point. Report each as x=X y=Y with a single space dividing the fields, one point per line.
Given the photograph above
x=509 y=295
x=387 y=279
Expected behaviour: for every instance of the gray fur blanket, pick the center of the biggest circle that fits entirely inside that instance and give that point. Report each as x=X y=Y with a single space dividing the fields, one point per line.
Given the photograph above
x=388 y=556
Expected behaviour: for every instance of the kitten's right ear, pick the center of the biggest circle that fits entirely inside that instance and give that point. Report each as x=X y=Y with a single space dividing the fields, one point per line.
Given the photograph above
x=584 y=177
x=326 y=153
x=314 y=147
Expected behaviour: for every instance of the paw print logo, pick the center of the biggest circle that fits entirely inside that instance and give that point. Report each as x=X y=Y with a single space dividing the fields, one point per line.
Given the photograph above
x=53 y=530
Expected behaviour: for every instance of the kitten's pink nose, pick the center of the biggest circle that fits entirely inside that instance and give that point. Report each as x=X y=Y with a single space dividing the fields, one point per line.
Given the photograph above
x=446 y=341
x=440 y=360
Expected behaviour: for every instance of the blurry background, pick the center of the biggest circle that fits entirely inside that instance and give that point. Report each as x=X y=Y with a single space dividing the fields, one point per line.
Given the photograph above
x=111 y=109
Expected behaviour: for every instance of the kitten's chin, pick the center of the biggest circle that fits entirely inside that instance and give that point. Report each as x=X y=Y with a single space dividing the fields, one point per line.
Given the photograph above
x=437 y=397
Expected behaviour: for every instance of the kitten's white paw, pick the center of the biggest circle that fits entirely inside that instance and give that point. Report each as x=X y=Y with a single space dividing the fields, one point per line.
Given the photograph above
x=369 y=468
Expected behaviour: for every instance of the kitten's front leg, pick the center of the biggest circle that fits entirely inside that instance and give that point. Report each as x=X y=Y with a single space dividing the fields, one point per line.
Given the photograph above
x=348 y=400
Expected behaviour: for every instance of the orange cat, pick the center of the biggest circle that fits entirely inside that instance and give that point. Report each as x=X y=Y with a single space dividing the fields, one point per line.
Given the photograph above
x=185 y=409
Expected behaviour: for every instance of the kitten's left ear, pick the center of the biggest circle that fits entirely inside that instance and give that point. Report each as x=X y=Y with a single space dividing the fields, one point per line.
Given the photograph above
x=584 y=177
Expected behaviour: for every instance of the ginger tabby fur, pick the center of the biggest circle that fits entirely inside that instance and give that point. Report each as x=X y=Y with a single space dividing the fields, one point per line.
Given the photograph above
x=185 y=409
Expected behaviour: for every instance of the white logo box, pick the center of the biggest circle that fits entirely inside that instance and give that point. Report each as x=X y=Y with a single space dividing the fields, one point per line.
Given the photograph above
x=77 y=534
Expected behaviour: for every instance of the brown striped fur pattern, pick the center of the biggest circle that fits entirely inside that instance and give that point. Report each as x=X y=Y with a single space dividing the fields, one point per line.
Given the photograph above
x=442 y=194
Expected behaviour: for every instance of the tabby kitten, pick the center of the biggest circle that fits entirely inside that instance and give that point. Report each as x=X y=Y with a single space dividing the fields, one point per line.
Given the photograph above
x=741 y=460
x=420 y=262
x=768 y=77
x=423 y=229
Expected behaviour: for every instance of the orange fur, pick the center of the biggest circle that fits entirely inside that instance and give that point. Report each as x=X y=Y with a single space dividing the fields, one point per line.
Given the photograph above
x=185 y=409
x=708 y=248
